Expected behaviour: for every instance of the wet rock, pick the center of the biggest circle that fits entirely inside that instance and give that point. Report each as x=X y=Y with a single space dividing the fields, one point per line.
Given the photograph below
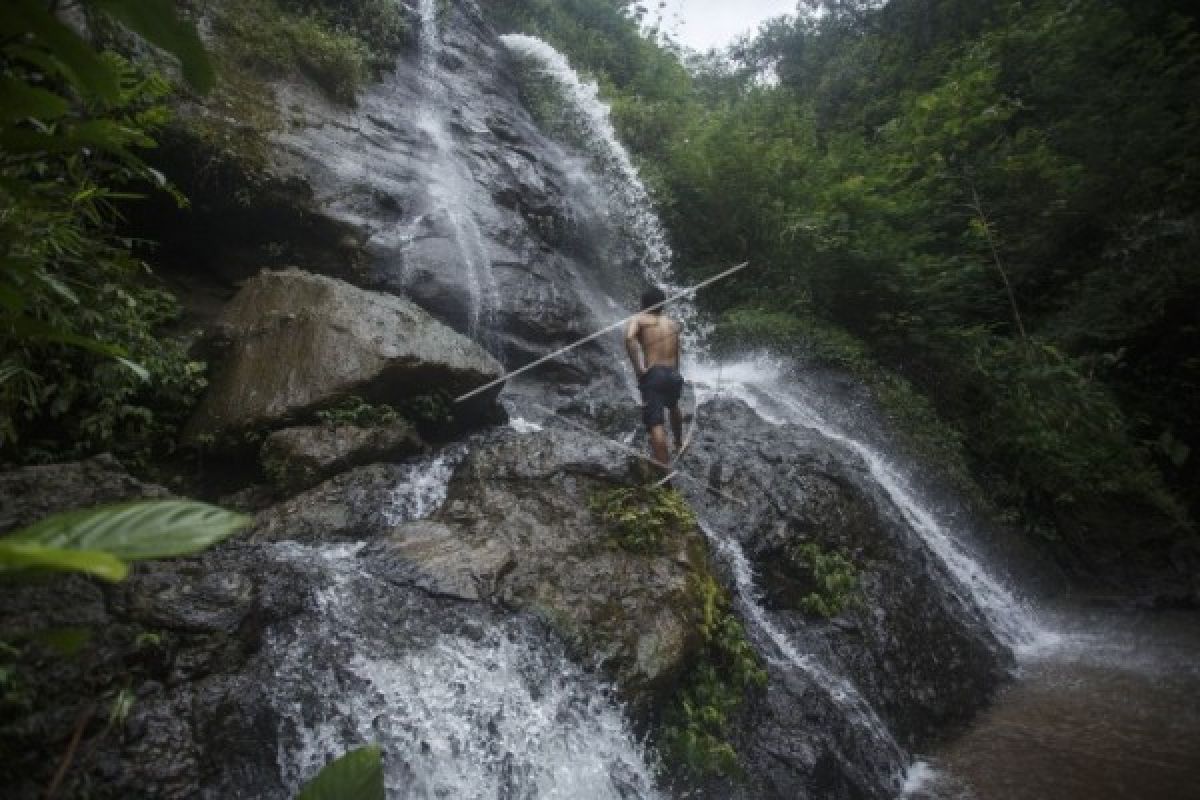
x=170 y=625
x=30 y=493
x=516 y=529
x=913 y=645
x=296 y=458
x=351 y=505
x=294 y=342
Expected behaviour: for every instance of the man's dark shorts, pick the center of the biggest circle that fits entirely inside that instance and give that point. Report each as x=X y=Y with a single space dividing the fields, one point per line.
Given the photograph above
x=661 y=387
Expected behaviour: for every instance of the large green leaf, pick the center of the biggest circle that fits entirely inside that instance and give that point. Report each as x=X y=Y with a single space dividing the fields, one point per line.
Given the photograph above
x=158 y=23
x=358 y=775
x=19 y=555
x=132 y=531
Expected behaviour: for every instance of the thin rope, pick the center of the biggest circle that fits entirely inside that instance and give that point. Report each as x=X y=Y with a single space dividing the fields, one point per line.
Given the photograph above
x=601 y=332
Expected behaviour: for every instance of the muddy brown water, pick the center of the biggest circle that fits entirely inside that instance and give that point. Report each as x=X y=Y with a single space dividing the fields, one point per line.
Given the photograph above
x=1108 y=708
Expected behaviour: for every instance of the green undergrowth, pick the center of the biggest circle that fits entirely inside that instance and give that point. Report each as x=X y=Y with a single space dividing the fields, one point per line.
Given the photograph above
x=832 y=575
x=338 y=46
x=696 y=728
x=84 y=364
x=643 y=518
x=356 y=411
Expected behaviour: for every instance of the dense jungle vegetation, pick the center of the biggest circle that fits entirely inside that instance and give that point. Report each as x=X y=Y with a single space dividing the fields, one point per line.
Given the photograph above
x=87 y=362
x=986 y=208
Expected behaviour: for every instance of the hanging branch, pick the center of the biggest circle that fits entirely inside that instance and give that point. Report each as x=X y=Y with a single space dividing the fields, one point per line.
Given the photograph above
x=977 y=206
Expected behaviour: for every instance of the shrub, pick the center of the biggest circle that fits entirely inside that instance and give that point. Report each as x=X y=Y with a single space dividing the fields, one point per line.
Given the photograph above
x=643 y=517
x=696 y=729
x=832 y=575
x=84 y=366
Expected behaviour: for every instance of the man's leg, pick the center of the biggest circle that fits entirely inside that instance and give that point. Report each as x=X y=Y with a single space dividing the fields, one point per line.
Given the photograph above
x=677 y=427
x=658 y=444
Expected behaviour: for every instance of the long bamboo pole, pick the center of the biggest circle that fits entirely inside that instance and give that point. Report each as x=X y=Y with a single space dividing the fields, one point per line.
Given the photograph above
x=601 y=332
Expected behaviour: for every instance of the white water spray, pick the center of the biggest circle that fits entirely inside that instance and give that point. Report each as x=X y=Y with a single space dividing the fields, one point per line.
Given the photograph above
x=423 y=488
x=450 y=185
x=492 y=710
x=761 y=384
x=628 y=198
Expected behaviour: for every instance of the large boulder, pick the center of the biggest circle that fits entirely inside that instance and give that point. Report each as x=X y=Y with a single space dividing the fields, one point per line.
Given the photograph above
x=516 y=529
x=291 y=343
x=296 y=458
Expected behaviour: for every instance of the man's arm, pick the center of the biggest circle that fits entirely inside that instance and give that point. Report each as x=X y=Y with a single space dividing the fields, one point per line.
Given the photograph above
x=633 y=347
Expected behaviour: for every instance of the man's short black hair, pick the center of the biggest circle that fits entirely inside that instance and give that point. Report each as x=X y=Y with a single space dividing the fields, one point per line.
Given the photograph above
x=652 y=297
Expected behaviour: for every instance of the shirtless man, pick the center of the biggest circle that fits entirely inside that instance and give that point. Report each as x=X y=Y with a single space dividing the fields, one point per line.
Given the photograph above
x=652 y=341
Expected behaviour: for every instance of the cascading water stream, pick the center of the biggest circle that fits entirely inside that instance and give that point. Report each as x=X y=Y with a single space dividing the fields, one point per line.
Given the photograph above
x=630 y=202
x=843 y=693
x=450 y=185
x=759 y=383
x=464 y=704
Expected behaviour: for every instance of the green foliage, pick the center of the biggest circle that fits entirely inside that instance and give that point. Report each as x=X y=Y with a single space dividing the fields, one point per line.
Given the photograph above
x=643 y=518
x=258 y=35
x=696 y=727
x=337 y=45
x=356 y=411
x=100 y=541
x=83 y=364
x=357 y=775
x=428 y=411
x=833 y=576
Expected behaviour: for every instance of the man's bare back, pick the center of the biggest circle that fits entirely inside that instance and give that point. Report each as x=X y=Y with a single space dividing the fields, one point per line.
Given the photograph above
x=658 y=337
x=652 y=342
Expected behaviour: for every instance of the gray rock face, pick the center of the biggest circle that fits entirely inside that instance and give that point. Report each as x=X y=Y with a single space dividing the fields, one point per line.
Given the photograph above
x=295 y=342
x=351 y=505
x=169 y=633
x=35 y=492
x=465 y=207
x=516 y=529
x=914 y=647
x=296 y=458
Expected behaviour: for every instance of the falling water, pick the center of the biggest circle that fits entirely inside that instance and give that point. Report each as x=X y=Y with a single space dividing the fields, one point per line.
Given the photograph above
x=464 y=704
x=841 y=691
x=450 y=185
x=779 y=402
x=629 y=200
x=423 y=488
x=760 y=383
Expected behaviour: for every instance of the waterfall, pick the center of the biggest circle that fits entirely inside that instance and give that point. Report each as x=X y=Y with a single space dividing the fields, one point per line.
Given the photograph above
x=878 y=738
x=628 y=200
x=450 y=186
x=760 y=383
x=465 y=704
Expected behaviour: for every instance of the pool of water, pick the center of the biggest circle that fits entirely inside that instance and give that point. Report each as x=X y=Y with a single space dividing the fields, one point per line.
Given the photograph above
x=1108 y=709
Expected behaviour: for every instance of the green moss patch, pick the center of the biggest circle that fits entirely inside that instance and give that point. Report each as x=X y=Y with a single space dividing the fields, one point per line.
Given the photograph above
x=643 y=518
